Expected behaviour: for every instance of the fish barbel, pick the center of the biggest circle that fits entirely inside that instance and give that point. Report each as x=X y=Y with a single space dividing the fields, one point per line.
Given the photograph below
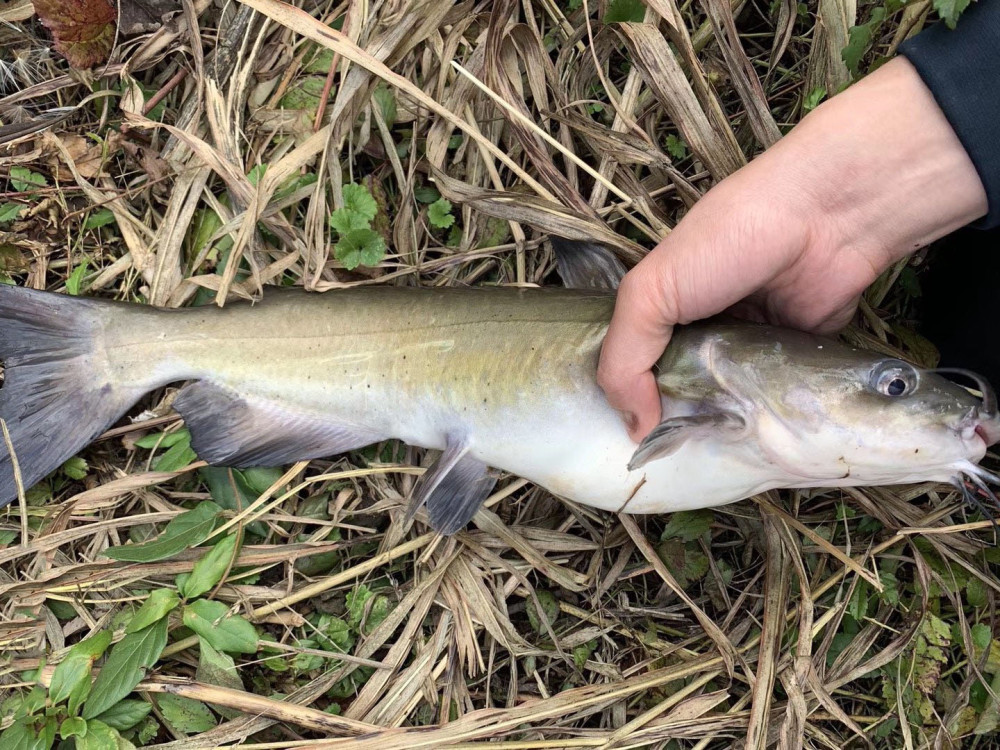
x=499 y=378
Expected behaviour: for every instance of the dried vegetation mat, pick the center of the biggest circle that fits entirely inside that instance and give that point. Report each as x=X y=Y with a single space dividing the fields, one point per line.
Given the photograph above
x=211 y=148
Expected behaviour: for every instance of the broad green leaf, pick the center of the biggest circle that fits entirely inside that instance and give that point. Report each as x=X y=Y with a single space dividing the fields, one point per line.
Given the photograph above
x=235 y=489
x=255 y=173
x=386 y=100
x=676 y=147
x=813 y=99
x=688 y=525
x=73 y=726
x=623 y=11
x=21 y=735
x=164 y=439
x=976 y=593
x=24 y=180
x=208 y=571
x=100 y=218
x=71 y=678
x=177 y=456
x=102 y=737
x=226 y=632
x=75 y=468
x=217 y=668
x=125 y=667
x=185 y=715
x=549 y=607
x=439 y=214
x=360 y=247
x=10 y=211
x=344 y=221
x=685 y=560
x=157 y=606
x=6 y=537
x=989 y=720
x=426 y=194
x=358 y=199
x=187 y=530
x=583 y=652
x=951 y=10
x=76 y=278
x=125 y=714
x=930 y=652
x=859 y=39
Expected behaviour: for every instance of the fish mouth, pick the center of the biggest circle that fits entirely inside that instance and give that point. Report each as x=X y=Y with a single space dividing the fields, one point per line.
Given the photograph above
x=983 y=421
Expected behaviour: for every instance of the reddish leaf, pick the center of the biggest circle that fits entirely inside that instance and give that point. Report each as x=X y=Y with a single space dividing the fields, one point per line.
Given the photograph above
x=82 y=30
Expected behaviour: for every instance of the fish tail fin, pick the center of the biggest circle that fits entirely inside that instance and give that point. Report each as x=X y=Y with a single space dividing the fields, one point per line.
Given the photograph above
x=57 y=393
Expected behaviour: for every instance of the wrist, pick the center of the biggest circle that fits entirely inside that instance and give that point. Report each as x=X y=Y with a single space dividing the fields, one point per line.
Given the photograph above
x=882 y=165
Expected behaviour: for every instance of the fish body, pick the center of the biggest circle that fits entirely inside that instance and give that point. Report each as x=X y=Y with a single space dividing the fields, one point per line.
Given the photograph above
x=496 y=379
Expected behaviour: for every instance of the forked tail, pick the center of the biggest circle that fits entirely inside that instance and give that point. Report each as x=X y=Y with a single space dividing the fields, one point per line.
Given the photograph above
x=57 y=393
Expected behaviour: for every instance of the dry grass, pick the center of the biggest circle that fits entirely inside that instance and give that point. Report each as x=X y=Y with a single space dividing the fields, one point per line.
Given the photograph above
x=798 y=619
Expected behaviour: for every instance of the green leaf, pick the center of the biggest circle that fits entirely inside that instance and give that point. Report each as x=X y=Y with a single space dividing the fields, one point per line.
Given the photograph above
x=100 y=218
x=685 y=560
x=676 y=147
x=951 y=10
x=439 y=214
x=217 y=668
x=358 y=199
x=208 y=571
x=177 y=456
x=360 y=247
x=102 y=737
x=125 y=667
x=73 y=726
x=333 y=634
x=75 y=468
x=549 y=607
x=386 y=101
x=125 y=714
x=976 y=593
x=688 y=525
x=23 y=179
x=76 y=278
x=813 y=99
x=185 y=715
x=344 y=221
x=10 y=211
x=426 y=193
x=859 y=39
x=235 y=489
x=623 y=11
x=930 y=652
x=583 y=652
x=21 y=735
x=158 y=605
x=164 y=439
x=226 y=632
x=6 y=537
x=255 y=173
x=71 y=678
x=187 y=530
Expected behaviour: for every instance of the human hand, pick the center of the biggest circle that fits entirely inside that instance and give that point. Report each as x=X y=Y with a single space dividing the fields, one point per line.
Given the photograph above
x=797 y=235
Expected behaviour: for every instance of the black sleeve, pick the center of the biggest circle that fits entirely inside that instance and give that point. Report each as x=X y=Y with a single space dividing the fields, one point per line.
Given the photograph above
x=961 y=67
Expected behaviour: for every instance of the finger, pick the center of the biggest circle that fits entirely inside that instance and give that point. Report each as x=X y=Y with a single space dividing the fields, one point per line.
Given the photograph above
x=636 y=338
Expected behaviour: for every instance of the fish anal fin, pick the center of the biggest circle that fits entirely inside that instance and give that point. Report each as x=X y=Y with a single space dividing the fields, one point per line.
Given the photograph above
x=669 y=435
x=586 y=265
x=230 y=429
x=453 y=488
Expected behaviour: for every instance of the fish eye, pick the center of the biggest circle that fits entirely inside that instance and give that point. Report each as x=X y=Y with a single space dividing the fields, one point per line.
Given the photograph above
x=894 y=378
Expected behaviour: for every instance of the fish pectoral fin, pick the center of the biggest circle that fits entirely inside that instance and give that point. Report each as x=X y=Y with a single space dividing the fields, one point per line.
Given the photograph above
x=231 y=429
x=453 y=488
x=586 y=265
x=670 y=434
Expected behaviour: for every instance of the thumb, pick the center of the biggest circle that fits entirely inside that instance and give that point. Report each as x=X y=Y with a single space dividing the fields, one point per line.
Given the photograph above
x=636 y=338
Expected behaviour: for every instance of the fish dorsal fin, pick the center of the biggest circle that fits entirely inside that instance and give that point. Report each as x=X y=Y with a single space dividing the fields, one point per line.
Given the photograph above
x=670 y=434
x=453 y=488
x=228 y=429
x=586 y=265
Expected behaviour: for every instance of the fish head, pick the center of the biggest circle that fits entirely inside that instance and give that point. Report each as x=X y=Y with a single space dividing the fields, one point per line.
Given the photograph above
x=826 y=414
